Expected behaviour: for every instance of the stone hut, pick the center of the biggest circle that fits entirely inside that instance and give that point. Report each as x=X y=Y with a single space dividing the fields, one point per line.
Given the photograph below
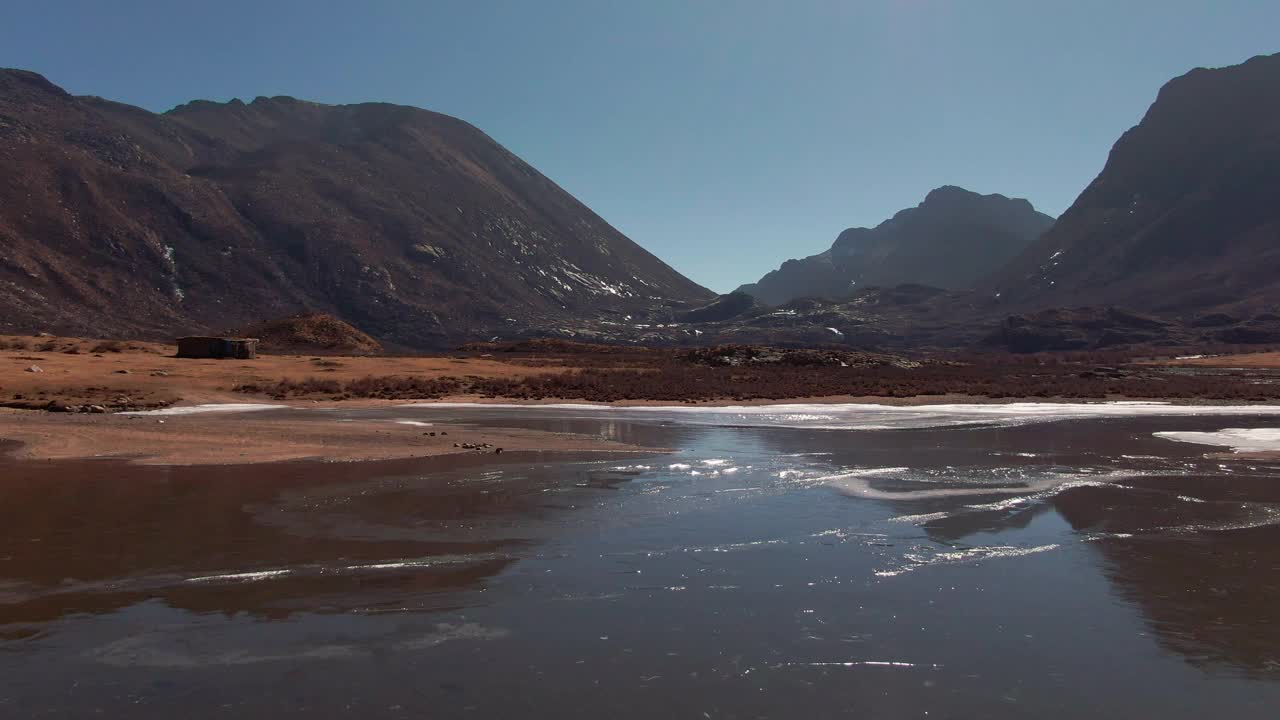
x=218 y=347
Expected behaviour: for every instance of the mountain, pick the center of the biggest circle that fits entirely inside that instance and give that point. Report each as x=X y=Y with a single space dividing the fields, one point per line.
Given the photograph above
x=1185 y=216
x=411 y=225
x=951 y=240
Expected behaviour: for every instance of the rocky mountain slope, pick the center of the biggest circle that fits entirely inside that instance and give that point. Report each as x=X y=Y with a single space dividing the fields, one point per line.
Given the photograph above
x=1176 y=243
x=1185 y=216
x=413 y=226
x=951 y=240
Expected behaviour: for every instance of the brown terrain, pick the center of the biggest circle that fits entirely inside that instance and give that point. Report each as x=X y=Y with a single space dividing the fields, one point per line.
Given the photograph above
x=67 y=409
x=312 y=333
x=1260 y=360
x=63 y=397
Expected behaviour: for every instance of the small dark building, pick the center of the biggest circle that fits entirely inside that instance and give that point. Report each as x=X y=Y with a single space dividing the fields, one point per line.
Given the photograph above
x=218 y=347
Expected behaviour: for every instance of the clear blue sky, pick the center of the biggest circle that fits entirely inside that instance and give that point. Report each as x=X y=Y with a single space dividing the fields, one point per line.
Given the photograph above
x=723 y=136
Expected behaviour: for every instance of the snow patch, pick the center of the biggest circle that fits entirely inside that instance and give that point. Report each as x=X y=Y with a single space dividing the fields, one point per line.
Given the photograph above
x=210 y=408
x=865 y=416
x=1238 y=439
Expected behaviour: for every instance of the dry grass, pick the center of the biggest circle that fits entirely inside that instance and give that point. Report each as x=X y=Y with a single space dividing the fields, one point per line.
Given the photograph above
x=549 y=371
x=383 y=388
x=677 y=379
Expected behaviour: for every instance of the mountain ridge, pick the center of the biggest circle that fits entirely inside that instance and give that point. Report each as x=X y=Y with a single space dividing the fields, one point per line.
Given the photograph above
x=412 y=225
x=949 y=240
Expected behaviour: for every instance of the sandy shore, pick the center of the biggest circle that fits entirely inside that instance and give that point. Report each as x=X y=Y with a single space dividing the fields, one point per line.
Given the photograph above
x=125 y=375
x=242 y=438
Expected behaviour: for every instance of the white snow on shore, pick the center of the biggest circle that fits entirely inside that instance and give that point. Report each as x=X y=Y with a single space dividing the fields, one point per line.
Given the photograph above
x=867 y=416
x=211 y=408
x=1238 y=439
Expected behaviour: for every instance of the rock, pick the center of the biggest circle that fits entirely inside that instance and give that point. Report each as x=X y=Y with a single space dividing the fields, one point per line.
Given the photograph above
x=55 y=406
x=35 y=369
x=123 y=372
x=498 y=451
x=97 y=409
x=159 y=373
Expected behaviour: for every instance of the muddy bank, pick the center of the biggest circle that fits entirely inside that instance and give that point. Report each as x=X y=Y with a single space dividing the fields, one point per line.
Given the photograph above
x=272 y=436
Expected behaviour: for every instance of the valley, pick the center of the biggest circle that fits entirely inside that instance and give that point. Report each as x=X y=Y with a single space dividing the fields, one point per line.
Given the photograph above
x=331 y=406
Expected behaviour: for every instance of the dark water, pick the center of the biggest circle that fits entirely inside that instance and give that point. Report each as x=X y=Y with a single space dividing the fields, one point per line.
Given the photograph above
x=1079 y=568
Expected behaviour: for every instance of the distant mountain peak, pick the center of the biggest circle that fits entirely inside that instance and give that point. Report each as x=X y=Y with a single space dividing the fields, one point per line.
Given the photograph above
x=949 y=193
x=954 y=194
x=952 y=239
